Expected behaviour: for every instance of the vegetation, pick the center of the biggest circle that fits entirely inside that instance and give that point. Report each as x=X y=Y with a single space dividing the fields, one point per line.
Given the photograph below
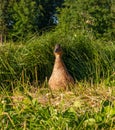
x=85 y=30
x=22 y=18
x=85 y=107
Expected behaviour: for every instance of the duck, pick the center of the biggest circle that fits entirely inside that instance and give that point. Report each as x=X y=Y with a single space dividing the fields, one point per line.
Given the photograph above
x=60 y=78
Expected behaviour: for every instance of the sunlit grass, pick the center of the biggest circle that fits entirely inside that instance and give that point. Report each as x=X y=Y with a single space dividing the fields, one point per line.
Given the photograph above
x=86 y=106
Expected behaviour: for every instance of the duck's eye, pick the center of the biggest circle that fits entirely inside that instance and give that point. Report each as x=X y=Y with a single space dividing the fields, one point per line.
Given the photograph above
x=57 y=48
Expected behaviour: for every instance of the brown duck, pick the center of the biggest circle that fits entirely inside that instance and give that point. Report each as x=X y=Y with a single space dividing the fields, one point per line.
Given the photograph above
x=60 y=78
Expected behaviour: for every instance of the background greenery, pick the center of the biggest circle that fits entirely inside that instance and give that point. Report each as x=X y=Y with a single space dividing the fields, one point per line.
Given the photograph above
x=29 y=31
x=22 y=18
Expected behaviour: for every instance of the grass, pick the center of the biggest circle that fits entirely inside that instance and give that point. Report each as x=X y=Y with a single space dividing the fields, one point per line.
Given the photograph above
x=86 y=59
x=87 y=106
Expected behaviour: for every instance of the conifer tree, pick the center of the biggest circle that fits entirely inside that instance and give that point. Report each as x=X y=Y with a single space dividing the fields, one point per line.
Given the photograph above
x=25 y=17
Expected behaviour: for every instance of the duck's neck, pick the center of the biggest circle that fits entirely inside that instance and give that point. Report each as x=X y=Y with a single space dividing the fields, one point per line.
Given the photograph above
x=58 y=62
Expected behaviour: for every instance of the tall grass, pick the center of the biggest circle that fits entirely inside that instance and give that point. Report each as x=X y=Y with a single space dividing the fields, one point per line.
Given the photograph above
x=85 y=57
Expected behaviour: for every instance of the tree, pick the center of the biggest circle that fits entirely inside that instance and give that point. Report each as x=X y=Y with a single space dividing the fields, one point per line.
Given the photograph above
x=48 y=10
x=94 y=16
x=25 y=17
x=102 y=17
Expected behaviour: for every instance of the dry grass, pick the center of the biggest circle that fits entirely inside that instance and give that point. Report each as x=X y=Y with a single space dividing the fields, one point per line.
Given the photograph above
x=82 y=96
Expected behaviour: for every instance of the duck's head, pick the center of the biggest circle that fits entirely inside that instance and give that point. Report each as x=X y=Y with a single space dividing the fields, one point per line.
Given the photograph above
x=58 y=50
